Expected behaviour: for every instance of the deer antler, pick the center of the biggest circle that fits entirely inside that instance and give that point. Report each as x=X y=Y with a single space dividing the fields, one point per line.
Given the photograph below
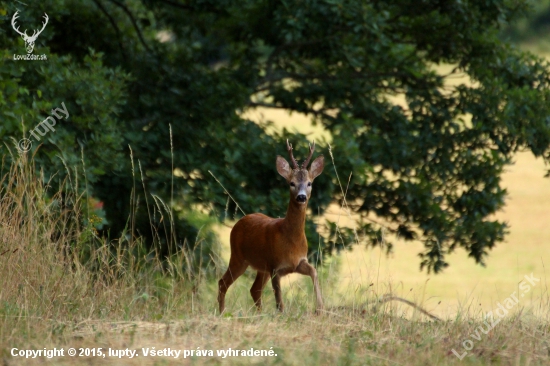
x=15 y=16
x=292 y=160
x=24 y=34
x=311 y=149
x=43 y=26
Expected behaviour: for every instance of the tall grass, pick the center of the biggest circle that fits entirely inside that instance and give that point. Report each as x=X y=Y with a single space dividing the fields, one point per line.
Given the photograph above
x=55 y=270
x=61 y=285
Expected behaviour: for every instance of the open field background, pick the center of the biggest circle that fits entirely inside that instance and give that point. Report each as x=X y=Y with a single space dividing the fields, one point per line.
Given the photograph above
x=128 y=300
x=47 y=299
x=465 y=285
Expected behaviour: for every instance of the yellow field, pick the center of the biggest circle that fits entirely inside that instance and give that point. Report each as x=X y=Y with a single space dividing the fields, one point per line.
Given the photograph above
x=464 y=285
x=122 y=302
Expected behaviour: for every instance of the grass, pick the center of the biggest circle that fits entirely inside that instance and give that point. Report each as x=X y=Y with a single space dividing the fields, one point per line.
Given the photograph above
x=464 y=285
x=124 y=298
x=120 y=298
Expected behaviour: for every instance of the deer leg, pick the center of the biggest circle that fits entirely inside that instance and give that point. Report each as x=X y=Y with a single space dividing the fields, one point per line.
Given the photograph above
x=235 y=270
x=307 y=269
x=276 y=283
x=257 y=287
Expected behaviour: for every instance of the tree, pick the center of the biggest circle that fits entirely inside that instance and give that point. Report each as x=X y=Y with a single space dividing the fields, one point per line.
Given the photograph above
x=426 y=155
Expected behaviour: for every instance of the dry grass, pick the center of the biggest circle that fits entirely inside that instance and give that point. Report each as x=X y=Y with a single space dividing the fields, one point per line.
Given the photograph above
x=115 y=299
x=464 y=285
x=50 y=297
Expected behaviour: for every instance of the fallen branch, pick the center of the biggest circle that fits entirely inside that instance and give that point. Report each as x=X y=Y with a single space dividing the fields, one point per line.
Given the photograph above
x=388 y=298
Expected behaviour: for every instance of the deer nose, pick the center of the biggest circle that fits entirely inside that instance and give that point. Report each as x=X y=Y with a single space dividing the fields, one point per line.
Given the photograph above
x=301 y=198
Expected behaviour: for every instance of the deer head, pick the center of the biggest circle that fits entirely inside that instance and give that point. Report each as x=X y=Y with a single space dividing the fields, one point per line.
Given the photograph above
x=29 y=40
x=300 y=177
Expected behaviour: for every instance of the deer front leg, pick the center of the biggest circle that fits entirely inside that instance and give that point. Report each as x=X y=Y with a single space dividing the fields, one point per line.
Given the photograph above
x=307 y=269
x=276 y=283
x=257 y=287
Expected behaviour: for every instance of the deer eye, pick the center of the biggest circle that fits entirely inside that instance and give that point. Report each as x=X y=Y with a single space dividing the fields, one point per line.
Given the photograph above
x=309 y=184
x=292 y=184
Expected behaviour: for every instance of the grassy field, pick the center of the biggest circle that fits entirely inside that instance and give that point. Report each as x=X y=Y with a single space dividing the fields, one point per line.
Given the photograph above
x=120 y=302
x=464 y=284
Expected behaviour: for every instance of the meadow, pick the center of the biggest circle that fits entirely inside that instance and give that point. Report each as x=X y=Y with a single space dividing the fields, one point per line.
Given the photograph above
x=163 y=80
x=465 y=284
x=119 y=308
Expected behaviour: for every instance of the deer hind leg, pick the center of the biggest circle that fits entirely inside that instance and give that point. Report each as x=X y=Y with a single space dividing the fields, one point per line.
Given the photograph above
x=257 y=287
x=276 y=283
x=307 y=269
x=235 y=270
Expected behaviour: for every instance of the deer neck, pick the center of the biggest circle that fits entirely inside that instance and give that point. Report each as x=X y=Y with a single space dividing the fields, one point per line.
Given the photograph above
x=295 y=219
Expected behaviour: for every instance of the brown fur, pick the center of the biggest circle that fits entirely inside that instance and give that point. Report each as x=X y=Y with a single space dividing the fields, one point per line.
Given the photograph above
x=274 y=247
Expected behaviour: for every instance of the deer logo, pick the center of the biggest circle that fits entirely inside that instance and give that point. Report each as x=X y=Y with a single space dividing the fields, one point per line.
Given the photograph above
x=29 y=40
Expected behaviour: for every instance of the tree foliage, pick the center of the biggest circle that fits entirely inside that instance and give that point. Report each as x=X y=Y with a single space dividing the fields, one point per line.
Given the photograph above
x=171 y=79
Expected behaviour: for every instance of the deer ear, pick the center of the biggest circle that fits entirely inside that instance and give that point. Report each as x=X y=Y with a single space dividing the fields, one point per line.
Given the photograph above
x=282 y=167
x=317 y=167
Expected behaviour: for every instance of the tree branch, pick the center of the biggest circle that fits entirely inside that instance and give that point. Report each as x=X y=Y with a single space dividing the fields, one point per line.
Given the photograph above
x=189 y=8
x=133 y=20
x=115 y=26
x=177 y=5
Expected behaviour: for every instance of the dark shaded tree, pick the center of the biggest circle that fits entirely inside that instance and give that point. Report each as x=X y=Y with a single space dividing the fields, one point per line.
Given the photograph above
x=426 y=153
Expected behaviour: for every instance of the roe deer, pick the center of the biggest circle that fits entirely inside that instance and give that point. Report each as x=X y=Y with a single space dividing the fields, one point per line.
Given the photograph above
x=275 y=247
